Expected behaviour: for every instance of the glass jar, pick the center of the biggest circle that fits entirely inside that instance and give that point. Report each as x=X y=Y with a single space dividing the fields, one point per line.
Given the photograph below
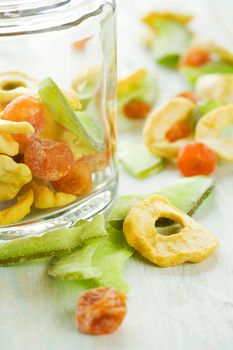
x=58 y=108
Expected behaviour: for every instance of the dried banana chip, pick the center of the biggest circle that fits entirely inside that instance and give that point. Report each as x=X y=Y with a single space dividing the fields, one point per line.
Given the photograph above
x=13 y=176
x=14 y=84
x=18 y=210
x=193 y=243
x=160 y=121
x=210 y=128
x=45 y=198
x=216 y=87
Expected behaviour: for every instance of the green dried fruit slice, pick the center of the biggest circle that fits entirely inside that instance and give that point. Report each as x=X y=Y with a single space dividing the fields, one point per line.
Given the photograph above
x=78 y=123
x=99 y=263
x=138 y=161
x=185 y=194
x=172 y=41
x=50 y=243
x=191 y=74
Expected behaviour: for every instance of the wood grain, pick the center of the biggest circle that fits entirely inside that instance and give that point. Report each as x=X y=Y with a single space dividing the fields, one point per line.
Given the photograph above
x=186 y=307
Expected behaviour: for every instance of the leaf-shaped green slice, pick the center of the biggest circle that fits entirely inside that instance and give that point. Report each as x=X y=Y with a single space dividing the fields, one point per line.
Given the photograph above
x=51 y=243
x=138 y=161
x=99 y=263
x=57 y=105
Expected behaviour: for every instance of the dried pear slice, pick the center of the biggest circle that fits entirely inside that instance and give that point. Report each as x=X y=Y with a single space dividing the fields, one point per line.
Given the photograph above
x=193 y=243
x=14 y=84
x=216 y=87
x=160 y=121
x=209 y=130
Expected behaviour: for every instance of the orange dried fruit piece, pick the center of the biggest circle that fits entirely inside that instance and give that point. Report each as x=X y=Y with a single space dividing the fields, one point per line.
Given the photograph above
x=100 y=311
x=160 y=122
x=46 y=198
x=78 y=181
x=48 y=160
x=18 y=210
x=193 y=243
x=195 y=158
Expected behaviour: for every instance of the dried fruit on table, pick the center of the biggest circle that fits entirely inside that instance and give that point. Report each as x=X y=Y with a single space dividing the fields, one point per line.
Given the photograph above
x=180 y=130
x=195 y=57
x=51 y=243
x=187 y=194
x=46 y=198
x=137 y=94
x=47 y=159
x=215 y=87
x=171 y=36
x=100 y=311
x=138 y=161
x=161 y=121
x=193 y=243
x=18 y=210
x=210 y=130
x=78 y=181
x=196 y=158
x=13 y=177
x=14 y=84
x=93 y=264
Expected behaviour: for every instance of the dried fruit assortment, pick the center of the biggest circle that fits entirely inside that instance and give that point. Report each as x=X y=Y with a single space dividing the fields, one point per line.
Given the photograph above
x=49 y=150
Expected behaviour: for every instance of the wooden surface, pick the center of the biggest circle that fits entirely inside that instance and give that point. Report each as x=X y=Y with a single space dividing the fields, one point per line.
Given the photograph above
x=184 y=307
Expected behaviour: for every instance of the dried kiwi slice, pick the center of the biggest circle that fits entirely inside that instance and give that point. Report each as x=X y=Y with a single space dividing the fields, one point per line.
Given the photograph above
x=50 y=243
x=186 y=194
x=81 y=125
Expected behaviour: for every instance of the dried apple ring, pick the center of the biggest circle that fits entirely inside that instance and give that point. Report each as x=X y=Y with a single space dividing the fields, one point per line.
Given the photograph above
x=14 y=84
x=193 y=243
x=161 y=121
x=210 y=128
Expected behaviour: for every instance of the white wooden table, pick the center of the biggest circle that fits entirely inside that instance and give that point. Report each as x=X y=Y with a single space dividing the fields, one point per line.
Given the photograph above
x=184 y=307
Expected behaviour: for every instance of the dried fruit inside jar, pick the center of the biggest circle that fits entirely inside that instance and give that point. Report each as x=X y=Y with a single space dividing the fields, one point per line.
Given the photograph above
x=50 y=149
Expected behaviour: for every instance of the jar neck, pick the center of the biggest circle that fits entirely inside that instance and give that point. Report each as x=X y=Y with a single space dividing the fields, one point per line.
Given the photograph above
x=17 y=8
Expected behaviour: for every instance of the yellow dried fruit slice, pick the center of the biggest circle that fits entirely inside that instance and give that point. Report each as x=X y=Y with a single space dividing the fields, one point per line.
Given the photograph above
x=18 y=210
x=160 y=121
x=215 y=87
x=210 y=128
x=13 y=176
x=16 y=127
x=8 y=145
x=126 y=85
x=14 y=84
x=45 y=198
x=193 y=243
x=177 y=17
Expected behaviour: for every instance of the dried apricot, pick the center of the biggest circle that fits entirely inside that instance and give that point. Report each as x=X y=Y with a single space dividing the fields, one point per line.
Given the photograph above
x=25 y=108
x=100 y=311
x=78 y=181
x=96 y=161
x=196 y=159
x=180 y=130
x=137 y=109
x=47 y=159
x=196 y=57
